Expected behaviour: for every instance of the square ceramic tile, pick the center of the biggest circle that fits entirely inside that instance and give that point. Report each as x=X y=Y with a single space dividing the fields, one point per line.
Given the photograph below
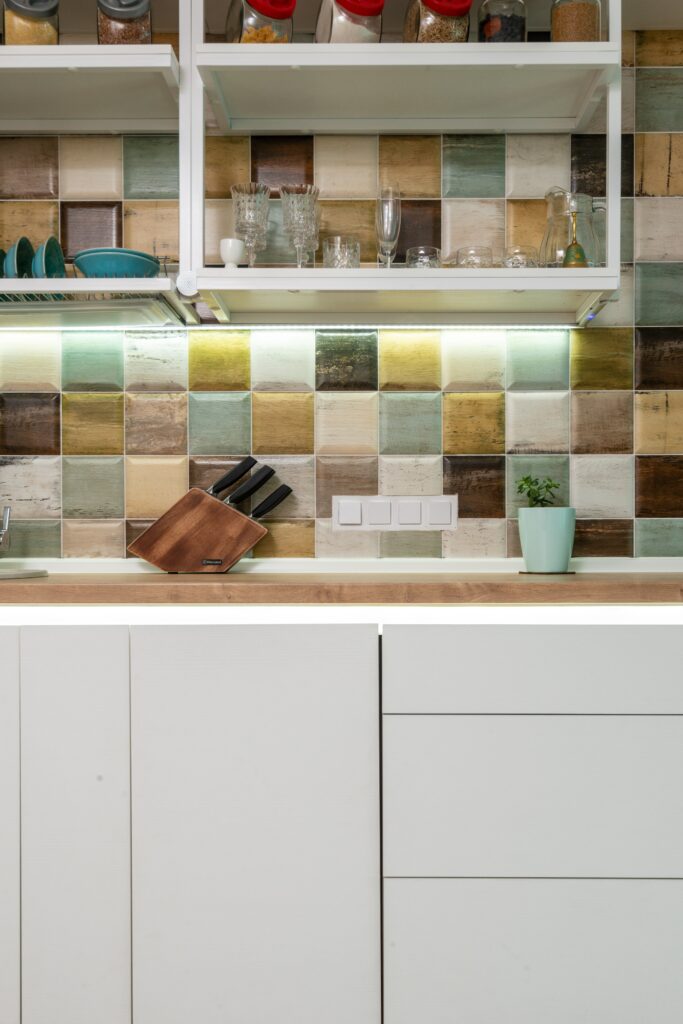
x=150 y=166
x=298 y=472
x=92 y=424
x=87 y=225
x=219 y=360
x=473 y=166
x=219 y=222
x=36 y=539
x=659 y=486
x=279 y=250
x=479 y=482
x=659 y=49
x=350 y=217
x=658 y=229
x=659 y=294
x=589 y=165
x=343 y=475
x=627 y=248
x=93 y=538
x=282 y=423
x=29 y=167
x=659 y=358
x=331 y=543
x=346 y=360
x=410 y=474
x=156 y=361
x=93 y=487
x=602 y=486
x=293 y=538
x=659 y=423
x=283 y=360
x=410 y=544
x=659 y=164
x=409 y=423
x=525 y=222
x=659 y=538
x=619 y=309
x=152 y=226
x=536 y=163
x=219 y=424
x=628 y=48
x=420 y=225
x=476 y=538
x=346 y=423
x=35 y=219
x=153 y=484
x=603 y=538
x=602 y=422
x=412 y=163
x=346 y=166
x=473 y=360
x=282 y=160
x=29 y=361
x=474 y=423
x=90 y=167
x=31 y=486
x=541 y=466
x=472 y=222
x=538 y=360
x=29 y=424
x=409 y=360
x=156 y=424
x=659 y=100
x=92 y=361
x=602 y=359
x=537 y=422
x=205 y=470
x=226 y=163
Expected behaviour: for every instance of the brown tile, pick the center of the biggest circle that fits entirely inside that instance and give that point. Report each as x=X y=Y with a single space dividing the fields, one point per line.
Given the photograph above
x=227 y=164
x=659 y=49
x=156 y=424
x=350 y=217
x=134 y=527
x=412 y=163
x=603 y=538
x=29 y=168
x=37 y=220
x=659 y=423
x=206 y=469
x=659 y=358
x=282 y=423
x=514 y=547
x=474 y=423
x=409 y=360
x=420 y=225
x=602 y=359
x=602 y=422
x=282 y=160
x=659 y=165
x=89 y=225
x=526 y=222
x=92 y=538
x=288 y=538
x=152 y=226
x=628 y=49
x=343 y=476
x=659 y=486
x=29 y=424
x=479 y=483
x=92 y=424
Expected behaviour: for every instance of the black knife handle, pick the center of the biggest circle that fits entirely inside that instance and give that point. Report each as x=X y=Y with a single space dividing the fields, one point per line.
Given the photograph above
x=251 y=486
x=232 y=476
x=272 y=501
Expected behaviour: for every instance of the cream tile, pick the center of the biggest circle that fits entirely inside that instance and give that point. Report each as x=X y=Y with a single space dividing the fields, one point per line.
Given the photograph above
x=88 y=538
x=476 y=538
x=535 y=163
x=331 y=543
x=283 y=360
x=30 y=361
x=298 y=472
x=346 y=424
x=602 y=486
x=473 y=360
x=152 y=226
x=620 y=311
x=598 y=123
x=472 y=222
x=153 y=484
x=537 y=422
x=345 y=166
x=31 y=486
x=409 y=474
x=90 y=167
x=219 y=223
x=659 y=229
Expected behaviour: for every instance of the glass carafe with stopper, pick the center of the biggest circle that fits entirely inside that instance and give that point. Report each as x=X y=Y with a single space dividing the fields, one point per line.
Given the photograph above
x=566 y=211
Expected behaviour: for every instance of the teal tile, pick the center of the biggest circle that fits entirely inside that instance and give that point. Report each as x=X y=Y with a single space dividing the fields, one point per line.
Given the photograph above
x=92 y=487
x=150 y=167
x=538 y=360
x=555 y=466
x=220 y=423
x=659 y=100
x=36 y=539
x=410 y=544
x=659 y=538
x=473 y=166
x=92 y=361
x=659 y=294
x=409 y=424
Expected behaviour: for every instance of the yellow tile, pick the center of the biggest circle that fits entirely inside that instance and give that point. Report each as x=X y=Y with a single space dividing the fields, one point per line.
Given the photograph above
x=288 y=539
x=227 y=164
x=92 y=424
x=37 y=220
x=659 y=165
x=151 y=226
x=219 y=360
x=282 y=423
x=413 y=163
x=628 y=49
x=659 y=49
x=93 y=538
x=154 y=483
x=602 y=359
x=409 y=360
x=90 y=167
x=346 y=424
x=526 y=221
x=474 y=424
x=354 y=217
x=659 y=423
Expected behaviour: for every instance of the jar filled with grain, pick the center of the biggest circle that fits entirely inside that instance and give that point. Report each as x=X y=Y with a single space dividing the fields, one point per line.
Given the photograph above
x=349 y=21
x=124 y=21
x=437 y=21
x=260 y=21
x=502 y=21
x=575 y=21
x=31 y=22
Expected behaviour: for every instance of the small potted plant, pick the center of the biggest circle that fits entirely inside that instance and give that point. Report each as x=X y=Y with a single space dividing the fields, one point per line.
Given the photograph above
x=546 y=533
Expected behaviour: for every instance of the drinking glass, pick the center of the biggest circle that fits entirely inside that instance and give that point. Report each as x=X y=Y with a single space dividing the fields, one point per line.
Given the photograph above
x=300 y=218
x=341 y=252
x=387 y=223
x=476 y=256
x=251 y=206
x=423 y=256
x=520 y=256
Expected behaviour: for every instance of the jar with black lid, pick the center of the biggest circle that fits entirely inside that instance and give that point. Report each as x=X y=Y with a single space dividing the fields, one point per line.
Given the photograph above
x=126 y=22
x=31 y=22
x=502 y=21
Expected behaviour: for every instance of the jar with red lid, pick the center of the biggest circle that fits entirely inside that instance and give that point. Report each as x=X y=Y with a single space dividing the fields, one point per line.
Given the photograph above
x=260 y=21
x=349 y=21
x=437 y=21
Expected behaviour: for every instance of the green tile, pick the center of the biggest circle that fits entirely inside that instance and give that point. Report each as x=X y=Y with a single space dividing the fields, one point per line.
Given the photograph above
x=92 y=361
x=659 y=538
x=36 y=539
x=659 y=294
x=278 y=247
x=659 y=100
x=220 y=423
x=555 y=466
x=538 y=360
x=473 y=166
x=346 y=360
x=150 y=167
x=409 y=424
x=92 y=487
x=410 y=544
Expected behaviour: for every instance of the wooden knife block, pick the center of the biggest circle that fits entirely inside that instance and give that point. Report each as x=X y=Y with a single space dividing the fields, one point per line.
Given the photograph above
x=198 y=534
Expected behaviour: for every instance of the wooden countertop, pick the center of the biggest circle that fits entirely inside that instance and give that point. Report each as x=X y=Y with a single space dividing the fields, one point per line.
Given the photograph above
x=342 y=588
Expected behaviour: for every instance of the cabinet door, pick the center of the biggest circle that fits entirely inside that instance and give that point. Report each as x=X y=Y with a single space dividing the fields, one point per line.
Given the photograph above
x=75 y=825
x=255 y=825
x=9 y=826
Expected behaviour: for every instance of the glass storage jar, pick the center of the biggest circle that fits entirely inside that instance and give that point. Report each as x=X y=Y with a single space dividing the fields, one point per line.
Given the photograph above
x=437 y=21
x=575 y=21
x=259 y=21
x=502 y=21
x=566 y=209
x=124 y=21
x=349 y=21
x=31 y=22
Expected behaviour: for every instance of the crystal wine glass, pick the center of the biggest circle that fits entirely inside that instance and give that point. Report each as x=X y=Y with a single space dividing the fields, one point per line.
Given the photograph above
x=251 y=205
x=387 y=223
x=299 y=216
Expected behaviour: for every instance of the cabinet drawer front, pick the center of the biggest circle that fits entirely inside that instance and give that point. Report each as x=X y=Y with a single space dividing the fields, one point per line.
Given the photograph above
x=534 y=669
x=529 y=951
x=533 y=795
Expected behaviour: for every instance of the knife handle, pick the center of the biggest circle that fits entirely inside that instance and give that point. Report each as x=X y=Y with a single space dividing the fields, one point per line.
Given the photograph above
x=232 y=476
x=251 y=486
x=272 y=501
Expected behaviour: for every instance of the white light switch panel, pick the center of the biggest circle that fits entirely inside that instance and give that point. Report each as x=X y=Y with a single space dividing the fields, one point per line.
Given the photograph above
x=395 y=512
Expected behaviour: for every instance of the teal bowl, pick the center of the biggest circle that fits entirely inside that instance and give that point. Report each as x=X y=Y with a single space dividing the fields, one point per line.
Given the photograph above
x=3 y=257
x=49 y=259
x=19 y=259
x=116 y=263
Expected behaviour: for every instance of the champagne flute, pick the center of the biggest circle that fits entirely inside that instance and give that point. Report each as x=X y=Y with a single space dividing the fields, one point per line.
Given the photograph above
x=387 y=223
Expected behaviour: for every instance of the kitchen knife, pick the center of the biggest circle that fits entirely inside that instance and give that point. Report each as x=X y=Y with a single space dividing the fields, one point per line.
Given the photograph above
x=272 y=501
x=231 y=477
x=260 y=477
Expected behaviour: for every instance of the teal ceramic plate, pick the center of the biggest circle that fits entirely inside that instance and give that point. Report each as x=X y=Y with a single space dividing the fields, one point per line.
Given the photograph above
x=116 y=263
x=49 y=259
x=19 y=259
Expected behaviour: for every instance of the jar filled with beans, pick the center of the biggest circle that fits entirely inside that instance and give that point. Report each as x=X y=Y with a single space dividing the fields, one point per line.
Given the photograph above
x=437 y=21
x=126 y=22
x=31 y=22
x=575 y=21
x=502 y=21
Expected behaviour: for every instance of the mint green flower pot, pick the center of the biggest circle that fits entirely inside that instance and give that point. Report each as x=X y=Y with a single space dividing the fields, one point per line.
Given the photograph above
x=547 y=536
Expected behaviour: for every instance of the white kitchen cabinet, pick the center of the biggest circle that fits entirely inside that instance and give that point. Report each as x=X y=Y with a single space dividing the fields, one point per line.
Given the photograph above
x=255 y=813
x=75 y=825
x=9 y=827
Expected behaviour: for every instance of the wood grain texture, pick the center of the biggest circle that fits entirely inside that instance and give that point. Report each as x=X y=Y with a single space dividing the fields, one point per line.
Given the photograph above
x=29 y=168
x=227 y=164
x=86 y=225
x=659 y=49
x=37 y=220
x=603 y=538
x=353 y=217
x=409 y=360
x=152 y=226
x=29 y=424
x=602 y=422
x=288 y=539
x=420 y=225
x=282 y=423
x=92 y=424
x=526 y=221
x=659 y=165
x=412 y=163
x=659 y=358
x=602 y=359
x=659 y=486
x=339 y=475
x=282 y=160
x=474 y=423
x=659 y=423
x=156 y=424
x=479 y=483
x=346 y=424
